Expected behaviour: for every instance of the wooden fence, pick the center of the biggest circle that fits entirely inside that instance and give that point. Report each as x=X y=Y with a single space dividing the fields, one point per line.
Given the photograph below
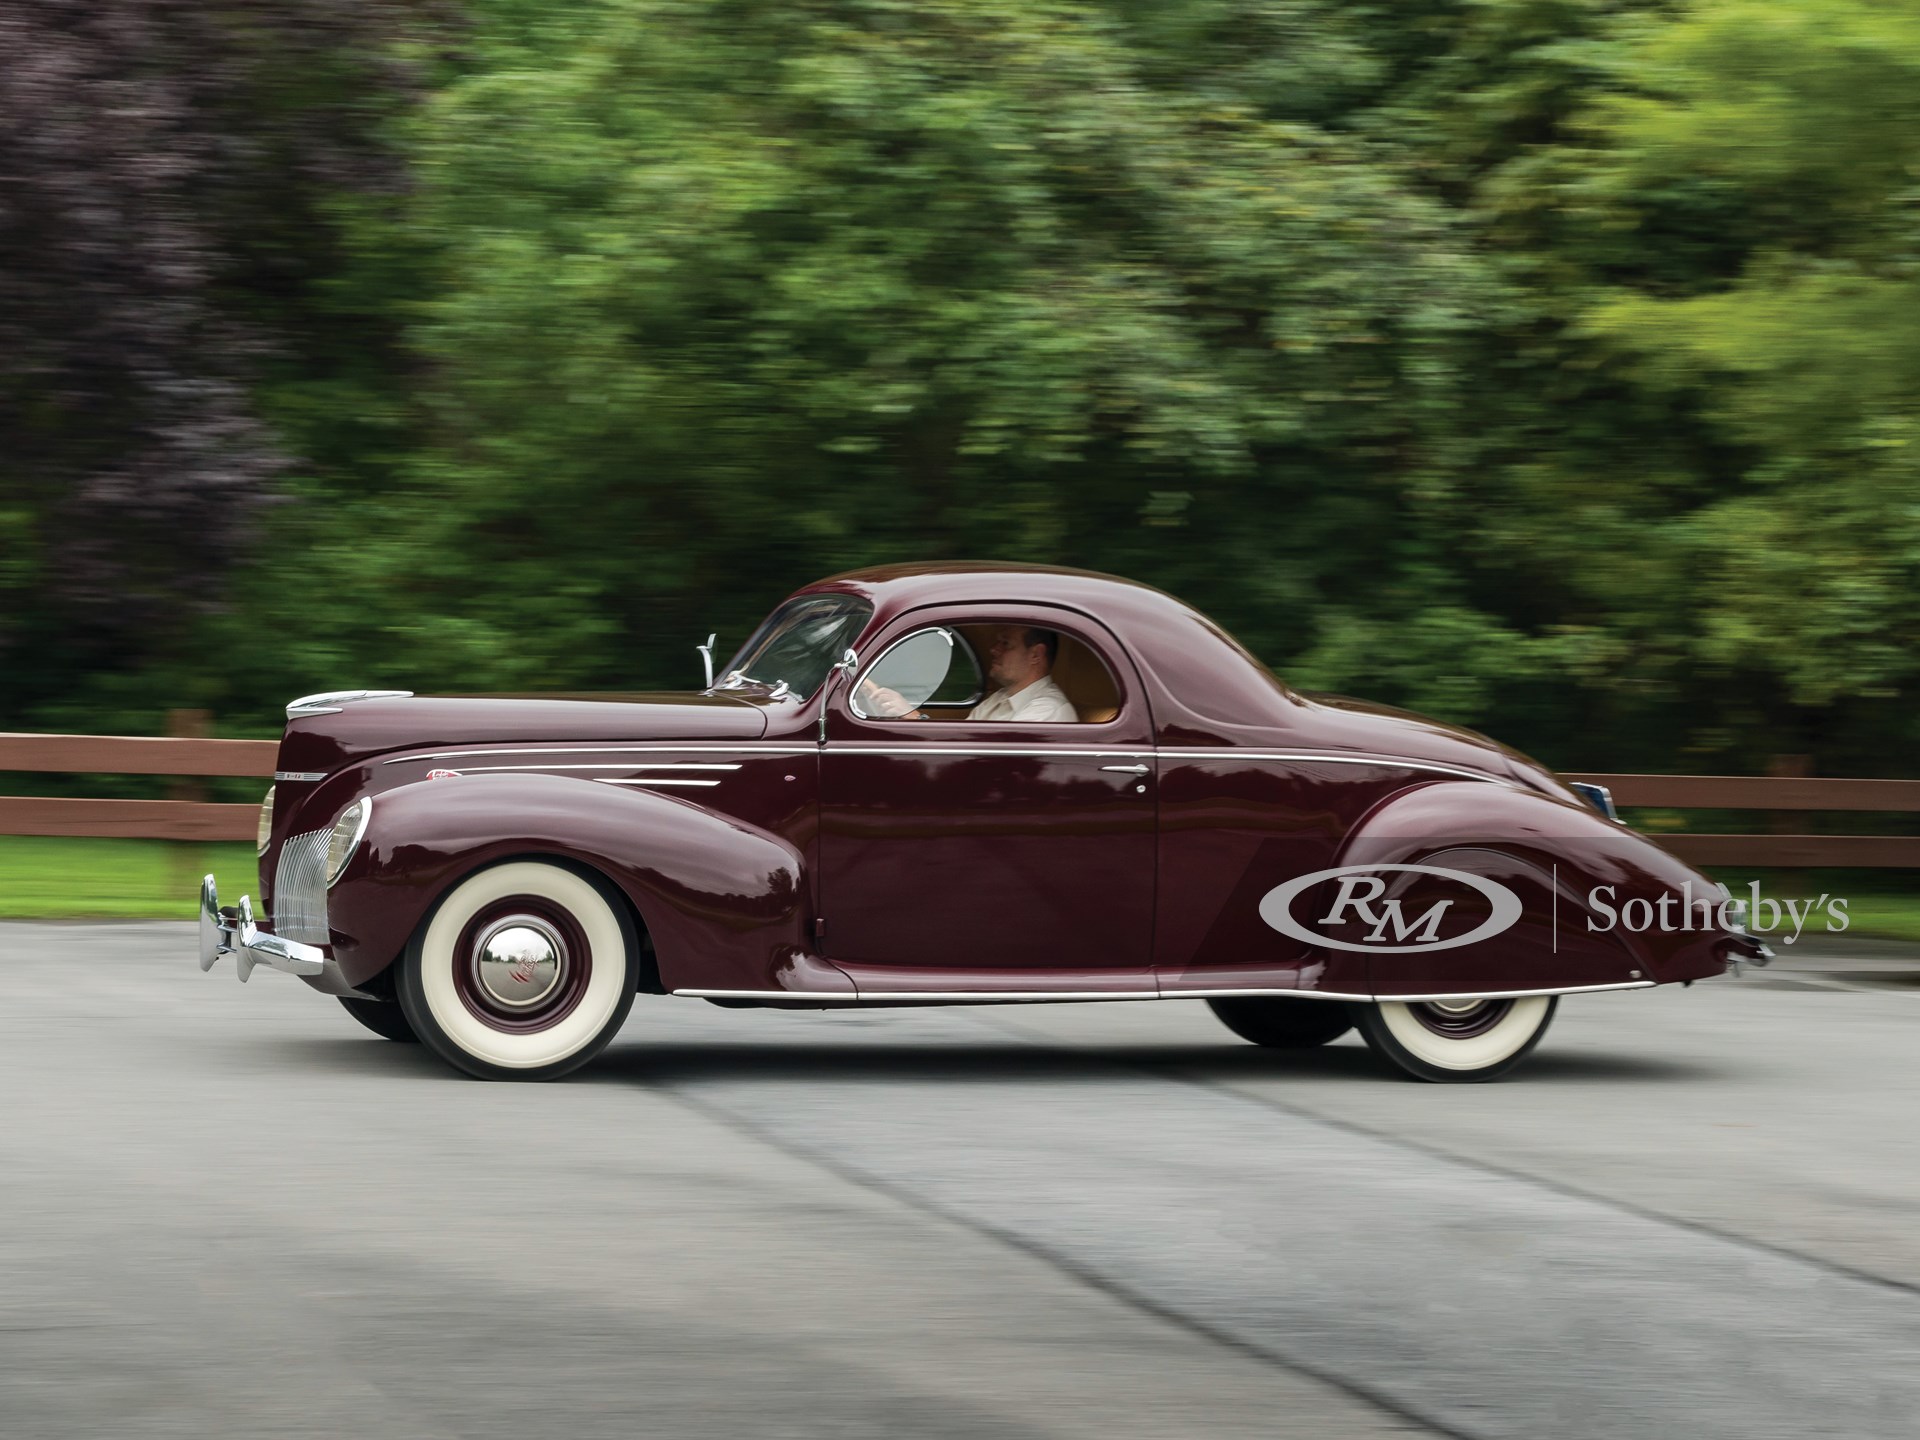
x=177 y=819
x=191 y=819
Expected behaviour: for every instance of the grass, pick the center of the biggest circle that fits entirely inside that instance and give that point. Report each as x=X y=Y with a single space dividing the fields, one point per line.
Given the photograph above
x=1881 y=904
x=79 y=879
x=49 y=878
x=1884 y=917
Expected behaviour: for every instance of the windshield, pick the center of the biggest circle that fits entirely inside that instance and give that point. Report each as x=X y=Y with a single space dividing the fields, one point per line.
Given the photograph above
x=799 y=642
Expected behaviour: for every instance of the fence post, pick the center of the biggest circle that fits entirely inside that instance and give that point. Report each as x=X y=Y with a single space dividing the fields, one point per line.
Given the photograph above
x=1782 y=822
x=185 y=856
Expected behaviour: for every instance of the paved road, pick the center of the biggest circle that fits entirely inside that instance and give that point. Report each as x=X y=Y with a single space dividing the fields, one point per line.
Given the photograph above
x=230 y=1212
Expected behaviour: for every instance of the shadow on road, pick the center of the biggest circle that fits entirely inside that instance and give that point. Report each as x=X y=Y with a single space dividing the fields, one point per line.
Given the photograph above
x=986 y=1063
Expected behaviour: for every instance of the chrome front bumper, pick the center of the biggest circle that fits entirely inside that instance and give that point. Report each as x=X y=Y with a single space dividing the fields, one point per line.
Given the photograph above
x=231 y=931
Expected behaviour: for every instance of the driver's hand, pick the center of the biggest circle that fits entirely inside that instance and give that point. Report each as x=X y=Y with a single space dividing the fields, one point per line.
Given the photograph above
x=889 y=703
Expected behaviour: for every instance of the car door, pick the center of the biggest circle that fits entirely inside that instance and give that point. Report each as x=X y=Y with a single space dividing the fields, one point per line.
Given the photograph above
x=965 y=855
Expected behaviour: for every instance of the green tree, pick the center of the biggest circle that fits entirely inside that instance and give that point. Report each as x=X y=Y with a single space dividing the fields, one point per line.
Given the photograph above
x=726 y=298
x=166 y=243
x=1545 y=364
x=1801 y=123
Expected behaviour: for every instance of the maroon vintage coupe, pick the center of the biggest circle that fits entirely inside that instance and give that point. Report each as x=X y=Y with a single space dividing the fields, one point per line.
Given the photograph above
x=847 y=817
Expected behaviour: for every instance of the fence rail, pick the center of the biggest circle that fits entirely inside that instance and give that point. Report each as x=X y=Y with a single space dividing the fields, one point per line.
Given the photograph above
x=199 y=820
x=136 y=755
x=1776 y=793
x=179 y=819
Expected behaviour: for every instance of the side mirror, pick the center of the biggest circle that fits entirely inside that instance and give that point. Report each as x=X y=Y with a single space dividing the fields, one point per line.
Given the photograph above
x=706 y=654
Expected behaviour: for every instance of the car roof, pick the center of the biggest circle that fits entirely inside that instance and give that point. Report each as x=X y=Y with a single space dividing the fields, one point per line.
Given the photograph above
x=1198 y=674
x=903 y=587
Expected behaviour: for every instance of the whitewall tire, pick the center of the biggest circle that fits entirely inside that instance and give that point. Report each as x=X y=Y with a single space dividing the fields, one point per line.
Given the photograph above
x=523 y=971
x=1456 y=1041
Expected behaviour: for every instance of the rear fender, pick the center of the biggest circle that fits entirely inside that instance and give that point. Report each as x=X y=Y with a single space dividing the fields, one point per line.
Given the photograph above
x=723 y=902
x=1554 y=856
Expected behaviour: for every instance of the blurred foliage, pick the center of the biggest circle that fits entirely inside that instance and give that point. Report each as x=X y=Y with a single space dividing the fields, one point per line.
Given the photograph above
x=163 y=165
x=1548 y=365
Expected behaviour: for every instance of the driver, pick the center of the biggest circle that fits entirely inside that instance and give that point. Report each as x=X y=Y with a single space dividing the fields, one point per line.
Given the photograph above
x=1020 y=661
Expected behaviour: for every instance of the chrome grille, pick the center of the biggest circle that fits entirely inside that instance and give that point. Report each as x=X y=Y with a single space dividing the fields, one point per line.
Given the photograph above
x=300 y=889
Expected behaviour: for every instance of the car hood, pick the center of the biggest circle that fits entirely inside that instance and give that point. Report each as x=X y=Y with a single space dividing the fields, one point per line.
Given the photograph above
x=360 y=728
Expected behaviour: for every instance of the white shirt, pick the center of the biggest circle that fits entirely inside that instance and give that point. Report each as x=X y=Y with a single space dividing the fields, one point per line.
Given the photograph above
x=1042 y=700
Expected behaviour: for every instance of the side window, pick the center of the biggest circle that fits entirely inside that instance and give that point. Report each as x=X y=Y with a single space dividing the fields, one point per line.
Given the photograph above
x=929 y=670
x=1074 y=670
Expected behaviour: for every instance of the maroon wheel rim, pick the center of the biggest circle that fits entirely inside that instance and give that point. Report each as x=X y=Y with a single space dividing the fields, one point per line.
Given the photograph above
x=1461 y=1022
x=486 y=999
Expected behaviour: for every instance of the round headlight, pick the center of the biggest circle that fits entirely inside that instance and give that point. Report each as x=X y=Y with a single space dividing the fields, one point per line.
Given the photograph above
x=266 y=820
x=345 y=838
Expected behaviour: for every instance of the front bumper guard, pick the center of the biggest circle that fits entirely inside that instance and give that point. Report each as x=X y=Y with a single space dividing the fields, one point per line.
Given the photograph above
x=230 y=930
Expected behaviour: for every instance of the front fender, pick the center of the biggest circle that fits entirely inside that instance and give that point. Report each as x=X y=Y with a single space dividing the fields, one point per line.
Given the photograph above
x=724 y=902
x=1555 y=855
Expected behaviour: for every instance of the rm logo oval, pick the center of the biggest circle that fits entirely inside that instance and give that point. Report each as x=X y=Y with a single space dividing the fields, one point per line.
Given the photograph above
x=1358 y=899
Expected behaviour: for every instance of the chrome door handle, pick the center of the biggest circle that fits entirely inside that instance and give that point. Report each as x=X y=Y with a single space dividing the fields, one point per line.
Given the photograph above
x=1129 y=769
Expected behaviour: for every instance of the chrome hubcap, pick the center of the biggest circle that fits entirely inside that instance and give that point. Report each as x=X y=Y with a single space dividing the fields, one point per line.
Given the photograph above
x=519 y=961
x=1461 y=1019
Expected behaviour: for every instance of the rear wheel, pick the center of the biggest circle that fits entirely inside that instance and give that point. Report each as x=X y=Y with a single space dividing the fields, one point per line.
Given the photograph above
x=522 y=972
x=1283 y=1024
x=383 y=1017
x=1456 y=1041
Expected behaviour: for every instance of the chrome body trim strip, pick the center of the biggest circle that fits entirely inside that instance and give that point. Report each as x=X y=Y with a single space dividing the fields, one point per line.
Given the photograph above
x=1316 y=758
x=1405 y=999
x=696 y=748
x=623 y=765
x=662 y=780
x=1383 y=761
x=995 y=996
x=1521 y=994
x=946 y=997
x=281 y=777
x=1042 y=751
x=972 y=997
x=1263 y=993
x=1301 y=757
x=762 y=994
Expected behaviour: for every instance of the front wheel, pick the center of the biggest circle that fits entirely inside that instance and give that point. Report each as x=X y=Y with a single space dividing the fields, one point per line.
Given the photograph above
x=523 y=971
x=1455 y=1041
